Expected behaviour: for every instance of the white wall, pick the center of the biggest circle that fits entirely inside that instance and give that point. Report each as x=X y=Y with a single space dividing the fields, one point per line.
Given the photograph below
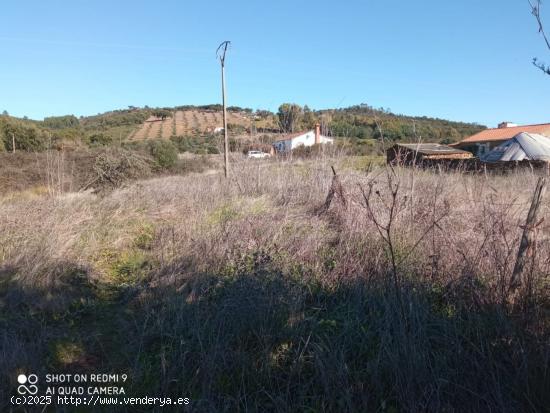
x=307 y=139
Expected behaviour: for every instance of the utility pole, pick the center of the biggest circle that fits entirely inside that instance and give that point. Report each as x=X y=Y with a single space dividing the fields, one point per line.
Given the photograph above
x=12 y=142
x=220 y=52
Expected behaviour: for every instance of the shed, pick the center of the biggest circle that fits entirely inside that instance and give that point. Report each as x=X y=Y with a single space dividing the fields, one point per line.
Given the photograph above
x=415 y=152
x=523 y=146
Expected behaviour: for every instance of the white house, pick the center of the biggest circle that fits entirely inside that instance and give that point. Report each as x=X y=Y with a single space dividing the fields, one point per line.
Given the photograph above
x=310 y=138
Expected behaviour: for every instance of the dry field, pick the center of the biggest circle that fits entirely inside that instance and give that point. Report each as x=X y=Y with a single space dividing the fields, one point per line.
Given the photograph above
x=245 y=295
x=186 y=123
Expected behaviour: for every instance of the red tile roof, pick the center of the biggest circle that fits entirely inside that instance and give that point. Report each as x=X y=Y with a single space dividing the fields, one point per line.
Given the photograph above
x=503 y=134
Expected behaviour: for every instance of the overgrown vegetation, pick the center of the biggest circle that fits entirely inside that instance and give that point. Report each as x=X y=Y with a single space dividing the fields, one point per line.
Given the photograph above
x=26 y=136
x=162 y=113
x=165 y=153
x=244 y=295
x=61 y=122
x=365 y=122
x=133 y=116
x=100 y=168
x=112 y=169
x=359 y=125
x=197 y=144
x=100 y=139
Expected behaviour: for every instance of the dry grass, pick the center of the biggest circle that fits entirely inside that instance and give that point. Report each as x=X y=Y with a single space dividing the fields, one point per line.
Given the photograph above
x=241 y=296
x=24 y=174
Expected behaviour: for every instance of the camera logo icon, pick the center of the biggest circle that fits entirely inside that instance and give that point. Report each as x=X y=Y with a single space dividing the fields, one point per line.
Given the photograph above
x=27 y=384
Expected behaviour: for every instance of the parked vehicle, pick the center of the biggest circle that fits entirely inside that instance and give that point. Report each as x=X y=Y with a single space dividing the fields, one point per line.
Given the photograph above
x=257 y=154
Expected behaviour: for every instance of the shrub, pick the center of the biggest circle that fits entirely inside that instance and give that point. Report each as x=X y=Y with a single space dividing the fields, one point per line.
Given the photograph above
x=200 y=145
x=61 y=122
x=27 y=137
x=236 y=128
x=193 y=164
x=308 y=151
x=116 y=167
x=162 y=113
x=68 y=134
x=359 y=147
x=117 y=118
x=164 y=153
x=100 y=139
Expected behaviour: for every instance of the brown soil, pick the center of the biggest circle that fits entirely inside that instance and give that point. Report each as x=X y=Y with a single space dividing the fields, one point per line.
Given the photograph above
x=189 y=122
x=154 y=131
x=167 y=128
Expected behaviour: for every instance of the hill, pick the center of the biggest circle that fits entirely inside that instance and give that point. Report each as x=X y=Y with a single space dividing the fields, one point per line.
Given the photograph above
x=360 y=124
x=363 y=121
x=193 y=122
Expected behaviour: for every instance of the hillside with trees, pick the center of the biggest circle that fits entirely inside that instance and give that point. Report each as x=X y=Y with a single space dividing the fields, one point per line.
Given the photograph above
x=365 y=122
x=360 y=124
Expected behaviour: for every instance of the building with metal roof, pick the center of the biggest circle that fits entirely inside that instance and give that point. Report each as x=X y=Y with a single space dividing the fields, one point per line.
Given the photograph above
x=523 y=146
x=482 y=142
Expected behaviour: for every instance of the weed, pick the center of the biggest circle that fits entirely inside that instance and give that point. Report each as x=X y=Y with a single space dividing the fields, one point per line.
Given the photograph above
x=239 y=293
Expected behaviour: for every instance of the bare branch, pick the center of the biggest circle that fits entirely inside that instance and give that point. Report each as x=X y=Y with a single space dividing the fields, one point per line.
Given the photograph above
x=535 y=11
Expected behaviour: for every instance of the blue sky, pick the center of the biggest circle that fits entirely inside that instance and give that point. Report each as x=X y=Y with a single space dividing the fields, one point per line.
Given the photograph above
x=467 y=60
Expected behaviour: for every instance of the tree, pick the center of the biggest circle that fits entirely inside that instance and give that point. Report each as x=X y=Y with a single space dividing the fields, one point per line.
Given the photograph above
x=308 y=121
x=535 y=10
x=61 y=122
x=100 y=139
x=5 y=113
x=162 y=113
x=26 y=137
x=165 y=153
x=263 y=113
x=289 y=115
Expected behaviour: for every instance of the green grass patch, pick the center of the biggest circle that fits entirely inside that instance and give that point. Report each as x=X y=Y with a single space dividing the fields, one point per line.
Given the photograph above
x=362 y=163
x=145 y=236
